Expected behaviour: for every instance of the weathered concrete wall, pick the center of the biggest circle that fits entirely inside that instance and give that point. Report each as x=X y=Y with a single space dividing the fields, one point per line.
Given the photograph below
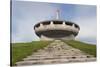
x=56 y=27
x=70 y=37
x=51 y=30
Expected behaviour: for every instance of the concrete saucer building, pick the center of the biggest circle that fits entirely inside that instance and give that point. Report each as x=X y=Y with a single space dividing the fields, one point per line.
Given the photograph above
x=56 y=29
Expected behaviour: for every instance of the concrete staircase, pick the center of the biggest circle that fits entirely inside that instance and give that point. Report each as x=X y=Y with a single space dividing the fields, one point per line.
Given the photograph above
x=56 y=52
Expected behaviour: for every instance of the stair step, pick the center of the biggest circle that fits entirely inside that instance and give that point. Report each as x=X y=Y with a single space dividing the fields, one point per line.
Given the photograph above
x=54 y=57
x=56 y=52
x=49 y=61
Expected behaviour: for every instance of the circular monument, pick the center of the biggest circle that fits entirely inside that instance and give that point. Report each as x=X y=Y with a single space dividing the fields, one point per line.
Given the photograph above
x=56 y=29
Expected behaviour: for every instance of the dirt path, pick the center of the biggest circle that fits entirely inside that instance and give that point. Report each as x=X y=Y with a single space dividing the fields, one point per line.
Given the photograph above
x=56 y=52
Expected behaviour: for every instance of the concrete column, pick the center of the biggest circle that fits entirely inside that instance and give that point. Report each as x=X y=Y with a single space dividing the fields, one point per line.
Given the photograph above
x=51 y=23
x=64 y=23
x=41 y=25
x=73 y=25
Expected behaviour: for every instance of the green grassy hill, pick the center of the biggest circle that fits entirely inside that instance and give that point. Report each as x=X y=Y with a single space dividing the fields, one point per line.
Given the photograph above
x=87 y=48
x=22 y=50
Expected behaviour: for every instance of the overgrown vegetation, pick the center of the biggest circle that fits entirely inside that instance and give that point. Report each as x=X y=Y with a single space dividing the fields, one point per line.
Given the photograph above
x=87 y=48
x=22 y=50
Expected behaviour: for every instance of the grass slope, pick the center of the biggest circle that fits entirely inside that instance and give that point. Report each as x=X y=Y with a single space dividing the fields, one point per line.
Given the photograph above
x=22 y=50
x=87 y=48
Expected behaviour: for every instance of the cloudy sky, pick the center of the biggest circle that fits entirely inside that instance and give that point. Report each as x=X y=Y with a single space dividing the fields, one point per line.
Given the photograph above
x=26 y=14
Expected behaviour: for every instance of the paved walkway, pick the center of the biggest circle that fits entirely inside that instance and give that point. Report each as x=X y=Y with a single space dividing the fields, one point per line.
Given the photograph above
x=56 y=52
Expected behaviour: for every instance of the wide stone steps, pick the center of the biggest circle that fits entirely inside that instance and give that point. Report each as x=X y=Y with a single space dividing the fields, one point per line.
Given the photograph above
x=56 y=52
x=39 y=57
x=54 y=60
